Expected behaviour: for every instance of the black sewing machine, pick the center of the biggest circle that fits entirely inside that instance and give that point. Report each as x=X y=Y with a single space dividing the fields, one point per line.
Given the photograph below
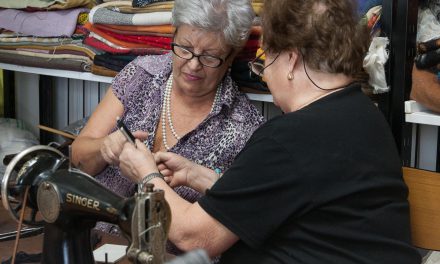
x=68 y=203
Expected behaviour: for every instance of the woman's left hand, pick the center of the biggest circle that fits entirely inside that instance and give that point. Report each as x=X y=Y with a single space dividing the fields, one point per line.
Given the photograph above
x=136 y=162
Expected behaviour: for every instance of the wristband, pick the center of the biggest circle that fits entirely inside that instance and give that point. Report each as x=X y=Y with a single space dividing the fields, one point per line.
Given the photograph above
x=148 y=178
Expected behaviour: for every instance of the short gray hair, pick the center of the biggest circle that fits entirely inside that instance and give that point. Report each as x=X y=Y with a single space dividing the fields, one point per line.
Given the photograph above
x=232 y=18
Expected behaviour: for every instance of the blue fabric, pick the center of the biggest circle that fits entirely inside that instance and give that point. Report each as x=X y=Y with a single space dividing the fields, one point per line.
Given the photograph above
x=365 y=5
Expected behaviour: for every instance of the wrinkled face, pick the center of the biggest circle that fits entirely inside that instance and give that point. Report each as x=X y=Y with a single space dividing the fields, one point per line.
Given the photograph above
x=190 y=76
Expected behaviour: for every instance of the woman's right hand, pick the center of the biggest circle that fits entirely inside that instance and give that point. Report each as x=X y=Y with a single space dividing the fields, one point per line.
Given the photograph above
x=113 y=144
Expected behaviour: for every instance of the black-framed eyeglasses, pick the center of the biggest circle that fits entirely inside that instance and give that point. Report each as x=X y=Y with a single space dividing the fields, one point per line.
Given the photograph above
x=204 y=59
x=257 y=65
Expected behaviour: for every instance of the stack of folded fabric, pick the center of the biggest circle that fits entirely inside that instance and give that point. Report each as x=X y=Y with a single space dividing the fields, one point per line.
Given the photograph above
x=124 y=31
x=51 y=38
x=240 y=71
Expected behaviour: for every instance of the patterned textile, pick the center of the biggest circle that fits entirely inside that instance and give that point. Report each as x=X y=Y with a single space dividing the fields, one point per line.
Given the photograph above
x=143 y=3
x=83 y=18
x=214 y=143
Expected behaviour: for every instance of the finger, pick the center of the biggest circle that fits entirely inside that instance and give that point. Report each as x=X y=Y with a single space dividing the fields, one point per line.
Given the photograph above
x=141 y=145
x=161 y=156
x=141 y=135
x=166 y=172
x=161 y=166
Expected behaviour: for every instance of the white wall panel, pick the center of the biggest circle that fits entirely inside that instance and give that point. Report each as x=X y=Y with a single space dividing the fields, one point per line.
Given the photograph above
x=26 y=100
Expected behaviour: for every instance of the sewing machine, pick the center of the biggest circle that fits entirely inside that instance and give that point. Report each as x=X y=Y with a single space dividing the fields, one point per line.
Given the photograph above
x=69 y=202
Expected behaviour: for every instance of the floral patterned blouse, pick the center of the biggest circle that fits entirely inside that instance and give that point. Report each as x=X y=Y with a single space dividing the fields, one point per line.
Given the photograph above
x=214 y=143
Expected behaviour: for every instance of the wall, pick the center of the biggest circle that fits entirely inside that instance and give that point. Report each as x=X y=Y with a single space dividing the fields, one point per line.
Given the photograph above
x=424 y=147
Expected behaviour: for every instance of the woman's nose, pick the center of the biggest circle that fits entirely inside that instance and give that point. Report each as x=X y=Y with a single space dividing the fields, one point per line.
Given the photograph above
x=194 y=63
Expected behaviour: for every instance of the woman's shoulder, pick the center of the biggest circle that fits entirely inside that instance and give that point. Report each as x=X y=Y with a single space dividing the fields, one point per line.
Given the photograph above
x=154 y=64
x=240 y=107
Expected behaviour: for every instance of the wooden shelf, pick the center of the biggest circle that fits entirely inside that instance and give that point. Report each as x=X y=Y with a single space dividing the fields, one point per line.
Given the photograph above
x=418 y=114
x=87 y=76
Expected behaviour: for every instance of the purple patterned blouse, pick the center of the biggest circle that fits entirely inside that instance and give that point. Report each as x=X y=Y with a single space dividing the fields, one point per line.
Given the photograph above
x=214 y=143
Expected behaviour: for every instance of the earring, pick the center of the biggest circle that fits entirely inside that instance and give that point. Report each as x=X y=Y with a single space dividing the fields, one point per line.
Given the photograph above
x=290 y=76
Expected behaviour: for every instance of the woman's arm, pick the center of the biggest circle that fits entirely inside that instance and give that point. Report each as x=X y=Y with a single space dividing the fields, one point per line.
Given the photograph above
x=86 y=148
x=179 y=171
x=425 y=89
x=191 y=227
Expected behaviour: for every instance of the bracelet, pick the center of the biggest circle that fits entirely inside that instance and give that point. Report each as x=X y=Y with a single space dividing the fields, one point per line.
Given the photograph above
x=148 y=178
x=218 y=172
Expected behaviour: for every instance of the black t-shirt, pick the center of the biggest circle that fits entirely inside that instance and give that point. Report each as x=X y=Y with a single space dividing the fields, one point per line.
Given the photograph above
x=319 y=185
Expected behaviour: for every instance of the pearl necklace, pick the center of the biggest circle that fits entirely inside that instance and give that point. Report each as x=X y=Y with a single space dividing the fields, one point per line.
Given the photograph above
x=166 y=111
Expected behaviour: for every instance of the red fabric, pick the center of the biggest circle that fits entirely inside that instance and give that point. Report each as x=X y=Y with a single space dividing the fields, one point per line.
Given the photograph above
x=166 y=29
x=134 y=51
x=118 y=42
x=155 y=41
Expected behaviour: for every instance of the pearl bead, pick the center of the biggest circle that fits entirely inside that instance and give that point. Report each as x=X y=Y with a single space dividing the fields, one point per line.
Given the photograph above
x=166 y=111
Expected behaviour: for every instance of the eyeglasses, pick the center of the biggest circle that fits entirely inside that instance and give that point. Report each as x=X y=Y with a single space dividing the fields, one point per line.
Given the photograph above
x=205 y=60
x=257 y=66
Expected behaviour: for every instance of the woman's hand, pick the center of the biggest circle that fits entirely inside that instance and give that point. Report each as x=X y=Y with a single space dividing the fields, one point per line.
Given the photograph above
x=179 y=171
x=136 y=162
x=112 y=146
x=174 y=168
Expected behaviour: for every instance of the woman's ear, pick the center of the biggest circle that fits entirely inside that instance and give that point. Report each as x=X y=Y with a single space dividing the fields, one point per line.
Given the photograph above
x=293 y=60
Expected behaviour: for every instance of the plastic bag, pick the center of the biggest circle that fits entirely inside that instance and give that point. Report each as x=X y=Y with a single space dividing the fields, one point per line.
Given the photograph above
x=374 y=63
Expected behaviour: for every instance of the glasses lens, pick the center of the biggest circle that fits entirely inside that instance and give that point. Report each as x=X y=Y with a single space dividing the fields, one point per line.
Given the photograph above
x=182 y=52
x=257 y=68
x=210 y=61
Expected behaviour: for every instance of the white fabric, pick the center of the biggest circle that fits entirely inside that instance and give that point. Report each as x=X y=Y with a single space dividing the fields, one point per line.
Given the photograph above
x=374 y=63
x=433 y=257
x=100 y=14
x=428 y=26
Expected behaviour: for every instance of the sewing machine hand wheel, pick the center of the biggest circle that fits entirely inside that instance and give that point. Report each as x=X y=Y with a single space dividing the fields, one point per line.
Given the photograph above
x=23 y=171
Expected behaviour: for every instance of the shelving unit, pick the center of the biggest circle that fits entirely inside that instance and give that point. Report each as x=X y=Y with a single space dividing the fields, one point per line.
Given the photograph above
x=418 y=114
x=87 y=76
x=425 y=136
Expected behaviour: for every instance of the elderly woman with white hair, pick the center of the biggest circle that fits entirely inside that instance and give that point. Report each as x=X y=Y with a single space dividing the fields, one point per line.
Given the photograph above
x=184 y=102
